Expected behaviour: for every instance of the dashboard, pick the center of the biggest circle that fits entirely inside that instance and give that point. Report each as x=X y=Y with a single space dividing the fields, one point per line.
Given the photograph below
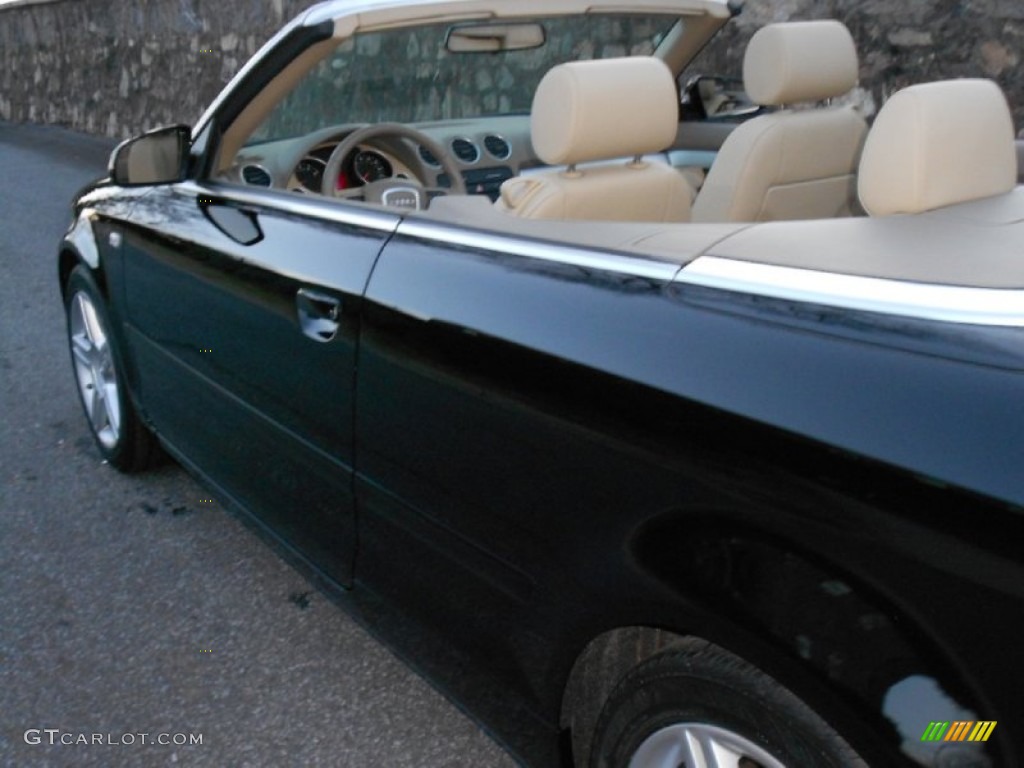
x=364 y=165
x=487 y=151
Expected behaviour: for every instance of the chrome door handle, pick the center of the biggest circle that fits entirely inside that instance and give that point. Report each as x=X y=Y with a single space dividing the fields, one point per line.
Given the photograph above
x=319 y=314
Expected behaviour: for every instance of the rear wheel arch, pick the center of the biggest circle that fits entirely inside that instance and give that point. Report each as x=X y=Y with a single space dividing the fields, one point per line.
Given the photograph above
x=809 y=599
x=696 y=703
x=598 y=669
x=904 y=652
x=608 y=663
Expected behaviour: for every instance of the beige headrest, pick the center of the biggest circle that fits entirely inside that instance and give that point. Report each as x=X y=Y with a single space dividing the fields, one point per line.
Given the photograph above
x=938 y=144
x=606 y=108
x=799 y=61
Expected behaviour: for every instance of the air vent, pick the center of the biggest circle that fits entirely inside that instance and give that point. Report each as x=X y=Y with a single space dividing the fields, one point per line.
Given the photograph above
x=465 y=150
x=497 y=147
x=255 y=175
x=428 y=157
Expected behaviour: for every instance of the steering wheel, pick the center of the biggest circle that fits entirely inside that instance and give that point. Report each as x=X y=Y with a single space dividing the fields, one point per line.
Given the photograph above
x=402 y=193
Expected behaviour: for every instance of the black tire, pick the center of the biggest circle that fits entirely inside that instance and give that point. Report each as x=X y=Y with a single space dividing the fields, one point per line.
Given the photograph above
x=98 y=369
x=718 y=695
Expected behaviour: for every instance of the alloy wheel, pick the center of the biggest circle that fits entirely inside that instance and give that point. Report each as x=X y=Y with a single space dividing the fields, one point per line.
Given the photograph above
x=698 y=745
x=94 y=369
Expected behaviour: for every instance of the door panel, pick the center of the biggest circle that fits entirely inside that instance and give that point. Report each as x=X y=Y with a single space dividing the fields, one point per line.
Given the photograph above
x=524 y=423
x=482 y=448
x=243 y=314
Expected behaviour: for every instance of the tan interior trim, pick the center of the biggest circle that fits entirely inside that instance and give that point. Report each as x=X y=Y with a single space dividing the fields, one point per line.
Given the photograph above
x=936 y=144
x=799 y=61
x=574 y=102
x=457 y=10
x=702 y=18
x=680 y=47
x=256 y=111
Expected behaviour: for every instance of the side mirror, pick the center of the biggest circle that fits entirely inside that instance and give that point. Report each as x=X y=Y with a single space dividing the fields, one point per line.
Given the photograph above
x=156 y=157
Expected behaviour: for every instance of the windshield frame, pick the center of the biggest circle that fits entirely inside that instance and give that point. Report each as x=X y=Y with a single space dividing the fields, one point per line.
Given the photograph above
x=504 y=87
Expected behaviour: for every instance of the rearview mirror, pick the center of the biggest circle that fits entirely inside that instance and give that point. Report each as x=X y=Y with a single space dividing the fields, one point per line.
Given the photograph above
x=156 y=157
x=492 y=38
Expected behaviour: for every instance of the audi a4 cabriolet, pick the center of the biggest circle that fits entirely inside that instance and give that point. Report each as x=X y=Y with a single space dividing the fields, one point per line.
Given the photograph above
x=670 y=422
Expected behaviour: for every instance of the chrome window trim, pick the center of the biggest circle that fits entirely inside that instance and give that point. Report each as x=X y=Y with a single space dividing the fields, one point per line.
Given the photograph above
x=381 y=221
x=516 y=245
x=929 y=301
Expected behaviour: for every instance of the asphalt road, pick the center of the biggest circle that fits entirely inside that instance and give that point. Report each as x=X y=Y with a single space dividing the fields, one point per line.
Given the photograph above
x=129 y=607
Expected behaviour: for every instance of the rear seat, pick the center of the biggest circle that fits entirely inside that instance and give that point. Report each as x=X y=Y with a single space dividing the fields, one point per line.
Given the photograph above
x=938 y=144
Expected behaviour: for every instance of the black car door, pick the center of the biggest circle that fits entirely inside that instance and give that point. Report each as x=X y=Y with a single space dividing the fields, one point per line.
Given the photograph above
x=242 y=314
x=488 y=436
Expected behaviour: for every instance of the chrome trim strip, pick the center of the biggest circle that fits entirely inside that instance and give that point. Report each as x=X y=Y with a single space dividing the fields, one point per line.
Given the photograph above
x=929 y=301
x=302 y=206
x=515 y=245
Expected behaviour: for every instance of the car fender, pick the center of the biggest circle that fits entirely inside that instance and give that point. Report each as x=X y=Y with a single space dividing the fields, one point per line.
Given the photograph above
x=81 y=239
x=861 y=660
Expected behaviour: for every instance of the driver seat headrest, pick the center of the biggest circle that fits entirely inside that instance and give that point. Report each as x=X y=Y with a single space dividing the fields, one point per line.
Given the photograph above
x=603 y=109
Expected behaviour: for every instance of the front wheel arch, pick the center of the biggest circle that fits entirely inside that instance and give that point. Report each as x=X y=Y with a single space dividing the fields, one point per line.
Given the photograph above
x=67 y=260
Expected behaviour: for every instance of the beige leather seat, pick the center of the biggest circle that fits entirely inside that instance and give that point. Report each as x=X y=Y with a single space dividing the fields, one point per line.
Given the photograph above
x=601 y=110
x=938 y=144
x=790 y=164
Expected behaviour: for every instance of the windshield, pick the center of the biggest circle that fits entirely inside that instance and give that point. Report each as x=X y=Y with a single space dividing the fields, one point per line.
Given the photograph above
x=408 y=75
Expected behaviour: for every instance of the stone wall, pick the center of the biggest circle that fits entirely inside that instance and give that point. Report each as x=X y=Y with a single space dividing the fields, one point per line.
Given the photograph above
x=901 y=41
x=116 y=67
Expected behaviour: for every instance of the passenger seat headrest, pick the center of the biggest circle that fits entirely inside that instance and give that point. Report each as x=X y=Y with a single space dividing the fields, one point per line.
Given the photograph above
x=938 y=144
x=603 y=109
x=799 y=61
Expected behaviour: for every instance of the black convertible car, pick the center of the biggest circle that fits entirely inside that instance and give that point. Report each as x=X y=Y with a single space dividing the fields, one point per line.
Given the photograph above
x=661 y=423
